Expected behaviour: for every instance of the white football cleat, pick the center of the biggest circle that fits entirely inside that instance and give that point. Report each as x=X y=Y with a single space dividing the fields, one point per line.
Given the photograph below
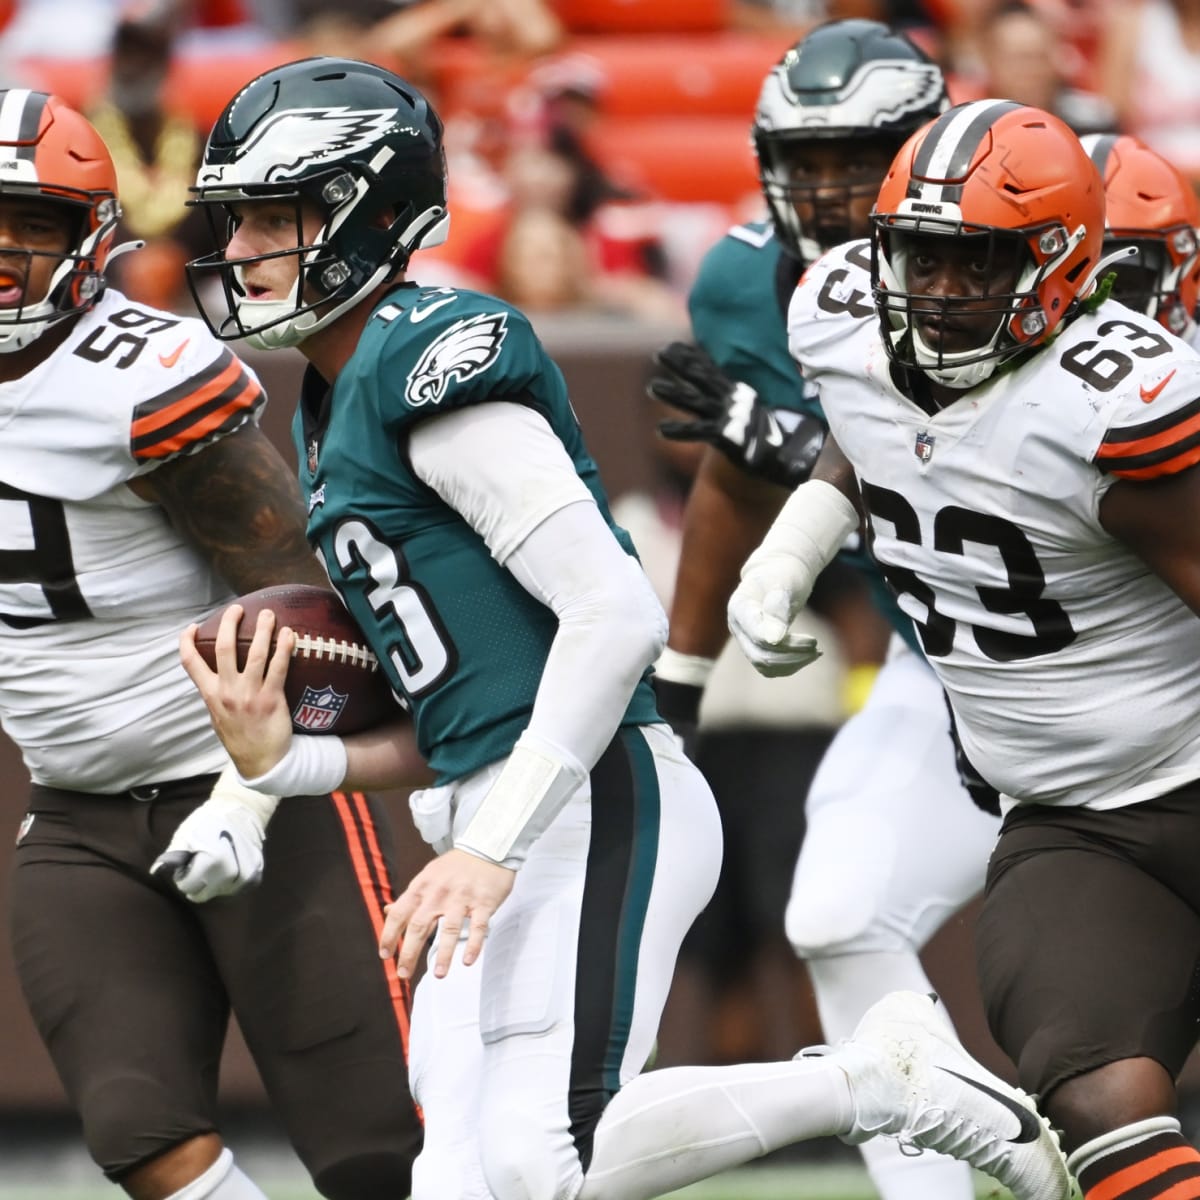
x=912 y=1080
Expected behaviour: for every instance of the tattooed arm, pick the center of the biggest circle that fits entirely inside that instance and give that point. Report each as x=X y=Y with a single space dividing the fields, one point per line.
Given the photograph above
x=238 y=502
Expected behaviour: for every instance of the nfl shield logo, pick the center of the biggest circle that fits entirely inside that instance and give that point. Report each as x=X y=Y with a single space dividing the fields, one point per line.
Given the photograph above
x=313 y=450
x=924 y=447
x=318 y=709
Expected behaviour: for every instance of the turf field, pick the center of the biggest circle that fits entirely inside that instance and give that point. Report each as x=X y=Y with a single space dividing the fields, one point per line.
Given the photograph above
x=764 y=1183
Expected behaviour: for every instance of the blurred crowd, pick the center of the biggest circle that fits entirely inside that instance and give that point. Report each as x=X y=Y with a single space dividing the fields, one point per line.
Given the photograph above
x=556 y=214
x=551 y=206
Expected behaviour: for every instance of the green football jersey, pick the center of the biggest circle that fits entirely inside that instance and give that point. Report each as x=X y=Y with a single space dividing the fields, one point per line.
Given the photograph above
x=463 y=644
x=738 y=308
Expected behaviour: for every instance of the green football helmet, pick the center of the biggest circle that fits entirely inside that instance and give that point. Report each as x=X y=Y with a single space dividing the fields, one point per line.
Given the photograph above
x=350 y=137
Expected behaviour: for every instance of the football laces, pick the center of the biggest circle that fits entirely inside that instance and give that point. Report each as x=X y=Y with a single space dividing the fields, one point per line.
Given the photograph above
x=333 y=650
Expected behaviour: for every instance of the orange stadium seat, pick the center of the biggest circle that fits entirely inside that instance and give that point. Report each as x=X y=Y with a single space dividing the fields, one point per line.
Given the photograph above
x=643 y=16
x=656 y=75
x=199 y=86
x=685 y=159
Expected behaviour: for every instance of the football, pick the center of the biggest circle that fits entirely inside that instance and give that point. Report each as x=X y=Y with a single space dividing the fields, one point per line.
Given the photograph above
x=334 y=684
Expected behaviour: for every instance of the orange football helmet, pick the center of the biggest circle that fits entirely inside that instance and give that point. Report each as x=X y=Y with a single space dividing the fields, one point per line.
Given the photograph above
x=1017 y=179
x=1152 y=211
x=50 y=151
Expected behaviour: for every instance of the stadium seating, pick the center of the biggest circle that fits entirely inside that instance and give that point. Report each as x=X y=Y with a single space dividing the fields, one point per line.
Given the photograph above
x=657 y=75
x=680 y=159
x=643 y=16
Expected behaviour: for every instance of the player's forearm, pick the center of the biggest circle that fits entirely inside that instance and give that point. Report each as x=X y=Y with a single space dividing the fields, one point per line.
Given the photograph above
x=833 y=467
x=385 y=757
x=381 y=758
x=727 y=515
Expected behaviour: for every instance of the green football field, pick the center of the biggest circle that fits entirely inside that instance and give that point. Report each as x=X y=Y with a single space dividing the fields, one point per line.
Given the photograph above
x=765 y=1183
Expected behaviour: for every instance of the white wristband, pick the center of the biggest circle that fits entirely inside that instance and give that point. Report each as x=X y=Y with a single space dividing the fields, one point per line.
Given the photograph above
x=533 y=785
x=812 y=527
x=312 y=766
x=692 y=669
x=231 y=789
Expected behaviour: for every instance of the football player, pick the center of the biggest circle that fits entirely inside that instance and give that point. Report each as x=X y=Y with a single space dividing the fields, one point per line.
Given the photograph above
x=1025 y=450
x=462 y=520
x=1153 y=214
x=830 y=118
x=140 y=495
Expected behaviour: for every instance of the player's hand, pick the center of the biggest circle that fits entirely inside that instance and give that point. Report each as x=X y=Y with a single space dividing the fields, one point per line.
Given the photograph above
x=247 y=707
x=763 y=612
x=777 y=445
x=218 y=848
x=456 y=887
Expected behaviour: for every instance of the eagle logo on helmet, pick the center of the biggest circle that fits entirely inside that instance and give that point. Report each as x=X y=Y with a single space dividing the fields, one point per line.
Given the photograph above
x=466 y=349
x=880 y=94
x=292 y=142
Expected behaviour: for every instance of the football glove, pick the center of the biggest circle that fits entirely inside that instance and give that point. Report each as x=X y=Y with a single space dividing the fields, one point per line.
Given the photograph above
x=778 y=445
x=218 y=848
x=762 y=614
x=778 y=578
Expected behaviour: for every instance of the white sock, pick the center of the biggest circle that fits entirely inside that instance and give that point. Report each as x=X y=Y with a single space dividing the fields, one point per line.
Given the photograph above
x=845 y=986
x=222 y=1181
x=668 y=1128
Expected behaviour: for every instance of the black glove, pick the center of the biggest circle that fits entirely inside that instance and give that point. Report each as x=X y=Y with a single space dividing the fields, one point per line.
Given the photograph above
x=679 y=705
x=778 y=445
x=978 y=788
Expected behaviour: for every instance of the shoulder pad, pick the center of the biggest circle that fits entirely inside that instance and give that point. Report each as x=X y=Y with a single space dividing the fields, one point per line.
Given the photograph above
x=832 y=299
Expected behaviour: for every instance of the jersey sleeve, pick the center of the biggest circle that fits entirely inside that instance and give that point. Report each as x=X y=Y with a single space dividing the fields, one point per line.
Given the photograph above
x=1155 y=428
x=200 y=398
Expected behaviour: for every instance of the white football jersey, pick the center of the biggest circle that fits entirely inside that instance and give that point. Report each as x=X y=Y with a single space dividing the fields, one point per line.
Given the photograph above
x=95 y=584
x=1071 y=667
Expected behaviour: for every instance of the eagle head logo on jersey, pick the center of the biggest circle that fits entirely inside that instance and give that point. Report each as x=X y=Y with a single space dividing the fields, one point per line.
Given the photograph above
x=467 y=348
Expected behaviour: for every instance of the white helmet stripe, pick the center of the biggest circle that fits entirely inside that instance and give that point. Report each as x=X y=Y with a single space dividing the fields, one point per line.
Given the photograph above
x=947 y=149
x=19 y=120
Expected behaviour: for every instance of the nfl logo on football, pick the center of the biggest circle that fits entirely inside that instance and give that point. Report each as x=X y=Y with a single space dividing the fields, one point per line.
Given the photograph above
x=924 y=446
x=318 y=710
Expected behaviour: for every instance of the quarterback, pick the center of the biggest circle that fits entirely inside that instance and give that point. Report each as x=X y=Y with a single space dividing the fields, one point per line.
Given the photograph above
x=459 y=515
x=138 y=491
x=1025 y=451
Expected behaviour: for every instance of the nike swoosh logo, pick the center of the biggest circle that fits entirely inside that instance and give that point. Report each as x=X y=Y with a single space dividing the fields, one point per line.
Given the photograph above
x=226 y=836
x=419 y=314
x=169 y=360
x=1148 y=394
x=1031 y=1127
